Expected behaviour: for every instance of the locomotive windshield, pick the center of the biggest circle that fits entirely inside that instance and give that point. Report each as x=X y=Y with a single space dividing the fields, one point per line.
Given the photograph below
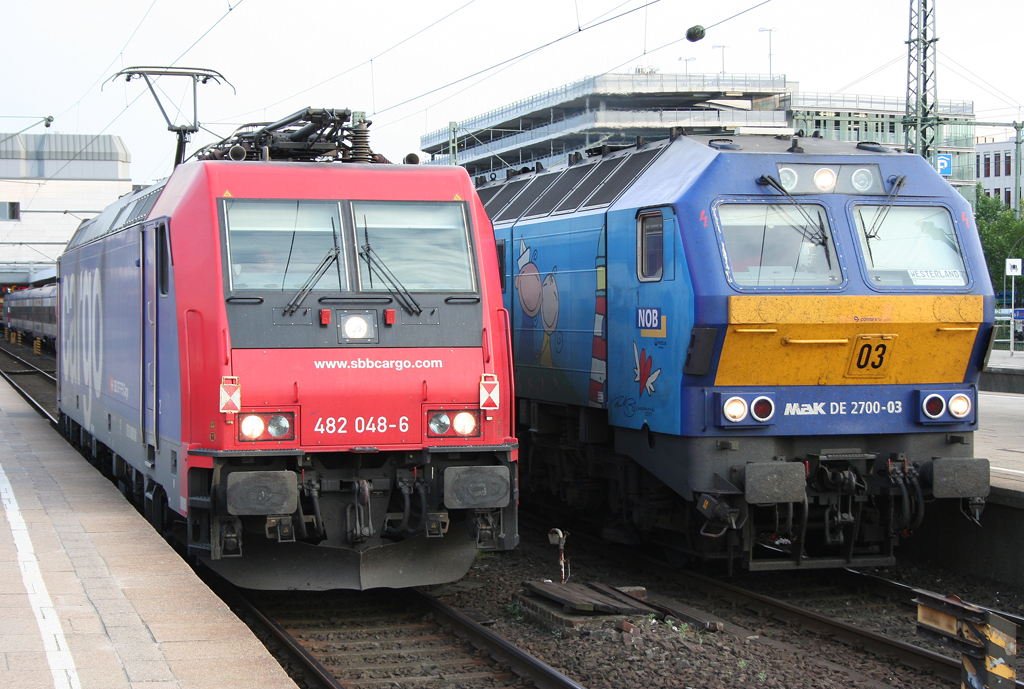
x=276 y=245
x=774 y=245
x=424 y=244
x=910 y=245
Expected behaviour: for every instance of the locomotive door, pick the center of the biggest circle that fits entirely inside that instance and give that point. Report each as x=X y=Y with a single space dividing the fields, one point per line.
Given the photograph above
x=152 y=234
x=652 y=300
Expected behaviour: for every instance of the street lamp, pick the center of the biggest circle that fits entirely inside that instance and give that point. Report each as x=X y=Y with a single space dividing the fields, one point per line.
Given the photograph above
x=686 y=65
x=769 y=32
x=723 y=47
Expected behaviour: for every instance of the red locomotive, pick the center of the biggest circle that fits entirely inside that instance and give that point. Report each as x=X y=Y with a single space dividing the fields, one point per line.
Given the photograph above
x=300 y=356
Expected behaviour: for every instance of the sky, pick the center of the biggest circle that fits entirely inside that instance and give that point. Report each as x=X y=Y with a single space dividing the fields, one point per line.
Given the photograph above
x=415 y=66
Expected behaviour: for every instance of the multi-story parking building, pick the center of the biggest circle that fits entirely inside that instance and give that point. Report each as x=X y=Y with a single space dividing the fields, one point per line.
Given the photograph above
x=614 y=109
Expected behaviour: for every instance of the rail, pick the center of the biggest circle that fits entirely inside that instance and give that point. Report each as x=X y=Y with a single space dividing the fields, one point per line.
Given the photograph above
x=908 y=654
x=30 y=369
x=290 y=650
x=522 y=663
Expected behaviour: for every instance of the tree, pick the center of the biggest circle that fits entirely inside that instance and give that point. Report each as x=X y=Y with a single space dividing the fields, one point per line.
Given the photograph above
x=999 y=231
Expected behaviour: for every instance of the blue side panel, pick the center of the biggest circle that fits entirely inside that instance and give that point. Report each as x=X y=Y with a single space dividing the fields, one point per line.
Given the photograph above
x=169 y=365
x=554 y=307
x=100 y=335
x=650 y=327
x=101 y=359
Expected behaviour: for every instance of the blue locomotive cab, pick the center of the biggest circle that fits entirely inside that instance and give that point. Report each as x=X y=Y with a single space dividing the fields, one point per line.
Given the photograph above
x=751 y=347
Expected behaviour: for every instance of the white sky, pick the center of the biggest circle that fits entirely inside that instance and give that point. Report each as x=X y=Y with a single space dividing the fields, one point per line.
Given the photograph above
x=57 y=54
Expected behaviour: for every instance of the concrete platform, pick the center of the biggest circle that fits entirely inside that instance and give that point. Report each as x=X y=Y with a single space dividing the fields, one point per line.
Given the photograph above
x=90 y=595
x=1005 y=372
x=1000 y=438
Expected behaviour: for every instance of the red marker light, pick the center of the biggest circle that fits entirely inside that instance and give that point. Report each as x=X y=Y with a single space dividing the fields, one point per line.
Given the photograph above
x=389 y=316
x=325 y=316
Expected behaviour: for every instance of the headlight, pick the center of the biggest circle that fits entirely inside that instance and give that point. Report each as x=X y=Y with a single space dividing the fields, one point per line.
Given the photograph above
x=788 y=178
x=959 y=405
x=465 y=423
x=933 y=406
x=735 y=409
x=440 y=423
x=252 y=426
x=264 y=426
x=356 y=328
x=278 y=426
x=453 y=423
x=862 y=179
x=825 y=179
x=762 y=409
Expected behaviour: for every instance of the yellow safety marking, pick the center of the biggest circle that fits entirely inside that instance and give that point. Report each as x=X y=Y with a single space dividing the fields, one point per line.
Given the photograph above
x=938 y=619
x=601 y=278
x=660 y=332
x=457 y=198
x=820 y=340
x=227 y=194
x=999 y=668
x=999 y=638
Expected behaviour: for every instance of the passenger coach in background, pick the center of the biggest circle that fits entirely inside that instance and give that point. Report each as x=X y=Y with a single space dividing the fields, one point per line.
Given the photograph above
x=33 y=313
x=305 y=363
x=757 y=348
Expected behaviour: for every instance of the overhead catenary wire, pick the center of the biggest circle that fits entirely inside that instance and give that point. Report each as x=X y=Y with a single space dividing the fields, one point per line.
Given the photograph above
x=122 y=112
x=512 y=61
x=368 y=61
x=977 y=85
x=518 y=57
x=872 y=73
x=1006 y=98
x=105 y=70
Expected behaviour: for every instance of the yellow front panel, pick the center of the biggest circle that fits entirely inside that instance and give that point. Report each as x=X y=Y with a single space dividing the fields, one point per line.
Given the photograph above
x=849 y=340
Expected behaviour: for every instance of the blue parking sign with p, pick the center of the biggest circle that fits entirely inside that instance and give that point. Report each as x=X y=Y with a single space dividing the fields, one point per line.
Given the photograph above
x=944 y=164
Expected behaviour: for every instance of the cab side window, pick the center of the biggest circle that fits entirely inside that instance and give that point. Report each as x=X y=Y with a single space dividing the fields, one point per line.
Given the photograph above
x=650 y=247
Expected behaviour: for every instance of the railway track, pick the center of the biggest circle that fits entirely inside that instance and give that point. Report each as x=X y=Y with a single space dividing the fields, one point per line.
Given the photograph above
x=862 y=611
x=32 y=376
x=387 y=638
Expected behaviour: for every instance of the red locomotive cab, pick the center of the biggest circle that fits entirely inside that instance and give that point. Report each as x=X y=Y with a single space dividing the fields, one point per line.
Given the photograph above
x=351 y=400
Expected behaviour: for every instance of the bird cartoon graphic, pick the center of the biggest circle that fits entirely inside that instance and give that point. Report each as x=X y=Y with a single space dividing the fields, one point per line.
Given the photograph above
x=643 y=372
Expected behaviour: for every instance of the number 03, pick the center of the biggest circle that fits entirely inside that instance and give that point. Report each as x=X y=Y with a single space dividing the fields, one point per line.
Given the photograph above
x=871 y=356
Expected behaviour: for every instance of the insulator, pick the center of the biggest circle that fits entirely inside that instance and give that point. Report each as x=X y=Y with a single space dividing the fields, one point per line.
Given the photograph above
x=361 y=143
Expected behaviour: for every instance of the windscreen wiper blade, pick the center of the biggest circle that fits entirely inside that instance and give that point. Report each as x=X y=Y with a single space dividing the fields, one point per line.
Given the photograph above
x=883 y=212
x=314 y=277
x=817 y=235
x=375 y=264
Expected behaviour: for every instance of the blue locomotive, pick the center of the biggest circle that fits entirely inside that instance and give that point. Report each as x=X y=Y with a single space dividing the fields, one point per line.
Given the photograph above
x=757 y=348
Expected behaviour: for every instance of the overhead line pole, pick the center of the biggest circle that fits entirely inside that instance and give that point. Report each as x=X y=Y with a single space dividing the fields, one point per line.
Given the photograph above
x=921 y=121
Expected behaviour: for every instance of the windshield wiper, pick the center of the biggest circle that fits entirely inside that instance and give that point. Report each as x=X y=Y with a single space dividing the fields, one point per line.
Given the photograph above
x=375 y=264
x=876 y=226
x=314 y=277
x=330 y=257
x=814 y=232
x=880 y=216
